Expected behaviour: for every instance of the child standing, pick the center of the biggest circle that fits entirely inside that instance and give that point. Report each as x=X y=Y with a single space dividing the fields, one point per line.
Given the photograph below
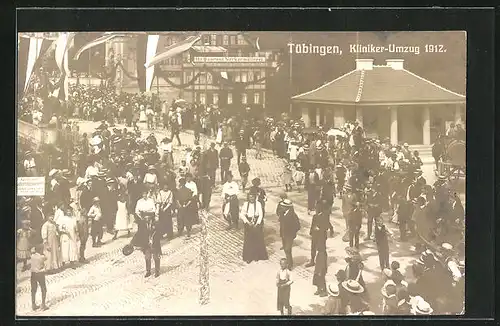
x=334 y=304
x=37 y=263
x=287 y=177
x=244 y=170
x=24 y=234
x=284 y=282
x=299 y=176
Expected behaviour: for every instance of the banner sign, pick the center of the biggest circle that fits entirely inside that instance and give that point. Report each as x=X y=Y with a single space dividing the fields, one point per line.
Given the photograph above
x=229 y=60
x=31 y=186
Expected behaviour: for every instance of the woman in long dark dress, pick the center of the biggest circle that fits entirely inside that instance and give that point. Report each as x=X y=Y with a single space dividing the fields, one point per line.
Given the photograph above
x=254 y=247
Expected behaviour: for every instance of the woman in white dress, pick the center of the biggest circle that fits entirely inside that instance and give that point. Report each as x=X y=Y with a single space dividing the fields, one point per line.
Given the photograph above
x=122 y=221
x=52 y=249
x=68 y=230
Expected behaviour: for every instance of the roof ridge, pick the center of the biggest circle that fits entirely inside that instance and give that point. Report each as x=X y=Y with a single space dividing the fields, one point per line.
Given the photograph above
x=433 y=84
x=360 y=86
x=324 y=85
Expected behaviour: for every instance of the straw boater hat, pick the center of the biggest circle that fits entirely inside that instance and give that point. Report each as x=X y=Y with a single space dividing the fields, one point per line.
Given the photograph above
x=447 y=246
x=26 y=222
x=333 y=289
x=387 y=272
x=422 y=307
x=53 y=172
x=151 y=167
x=287 y=203
x=353 y=286
x=96 y=199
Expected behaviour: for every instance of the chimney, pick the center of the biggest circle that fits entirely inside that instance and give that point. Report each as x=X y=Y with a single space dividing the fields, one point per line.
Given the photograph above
x=364 y=64
x=396 y=64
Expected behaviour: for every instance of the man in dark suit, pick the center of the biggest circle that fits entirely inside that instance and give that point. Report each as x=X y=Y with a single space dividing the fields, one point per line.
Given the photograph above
x=225 y=155
x=211 y=162
x=241 y=145
x=318 y=232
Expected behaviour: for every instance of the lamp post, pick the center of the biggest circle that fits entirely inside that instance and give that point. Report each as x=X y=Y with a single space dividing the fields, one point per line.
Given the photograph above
x=204 y=261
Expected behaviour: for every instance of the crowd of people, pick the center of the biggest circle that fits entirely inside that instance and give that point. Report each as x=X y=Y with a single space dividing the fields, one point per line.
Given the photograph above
x=122 y=176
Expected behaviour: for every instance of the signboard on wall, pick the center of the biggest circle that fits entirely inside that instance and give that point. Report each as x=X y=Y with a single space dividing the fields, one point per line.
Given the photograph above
x=229 y=60
x=31 y=186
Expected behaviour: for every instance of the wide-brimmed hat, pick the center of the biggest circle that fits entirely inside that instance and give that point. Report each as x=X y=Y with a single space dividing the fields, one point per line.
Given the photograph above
x=128 y=250
x=27 y=153
x=333 y=289
x=53 y=172
x=256 y=182
x=368 y=313
x=96 y=199
x=422 y=307
x=447 y=246
x=353 y=286
x=287 y=203
x=65 y=172
x=384 y=288
x=442 y=177
x=387 y=272
x=25 y=222
x=151 y=167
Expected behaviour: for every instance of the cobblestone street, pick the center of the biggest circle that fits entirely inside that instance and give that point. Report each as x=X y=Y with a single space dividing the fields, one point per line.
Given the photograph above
x=113 y=284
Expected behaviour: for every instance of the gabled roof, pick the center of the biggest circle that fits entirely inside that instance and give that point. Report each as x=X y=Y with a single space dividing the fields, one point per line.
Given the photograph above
x=382 y=85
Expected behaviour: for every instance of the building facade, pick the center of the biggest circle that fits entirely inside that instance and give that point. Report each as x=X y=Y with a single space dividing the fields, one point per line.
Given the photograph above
x=225 y=64
x=387 y=100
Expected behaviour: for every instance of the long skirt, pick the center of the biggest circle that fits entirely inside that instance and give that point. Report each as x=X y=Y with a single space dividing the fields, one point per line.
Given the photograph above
x=254 y=247
x=283 y=296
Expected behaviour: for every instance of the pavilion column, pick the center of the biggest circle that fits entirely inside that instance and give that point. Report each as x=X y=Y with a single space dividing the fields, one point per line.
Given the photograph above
x=318 y=117
x=426 y=125
x=338 y=117
x=359 y=115
x=394 y=125
x=305 y=116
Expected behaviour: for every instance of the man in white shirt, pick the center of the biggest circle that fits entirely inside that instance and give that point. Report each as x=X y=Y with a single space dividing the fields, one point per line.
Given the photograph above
x=230 y=205
x=95 y=213
x=147 y=238
x=164 y=201
x=91 y=171
x=150 y=178
x=191 y=185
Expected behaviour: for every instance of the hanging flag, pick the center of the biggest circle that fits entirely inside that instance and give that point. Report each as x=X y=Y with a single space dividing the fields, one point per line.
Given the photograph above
x=31 y=50
x=150 y=53
x=62 y=44
x=224 y=75
x=106 y=37
x=173 y=50
x=22 y=63
x=252 y=41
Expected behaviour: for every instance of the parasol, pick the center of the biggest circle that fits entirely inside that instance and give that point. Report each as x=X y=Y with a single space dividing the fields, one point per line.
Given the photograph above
x=336 y=132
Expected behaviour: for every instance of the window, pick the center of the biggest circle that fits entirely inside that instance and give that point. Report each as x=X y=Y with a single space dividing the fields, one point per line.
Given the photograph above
x=203 y=99
x=168 y=42
x=244 y=76
x=229 y=98
x=206 y=39
x=209 y=78
x=240 y=53
x=244 y=98
x=216 y=98
x=256 y=98
x=233 y=39
x=241 y=40
x=202 y=79
x=225 y=40
x=187 y=76
x=237 y=76
x=263 y=73
x=250 y=76
x=213 y=39
x=257 y=75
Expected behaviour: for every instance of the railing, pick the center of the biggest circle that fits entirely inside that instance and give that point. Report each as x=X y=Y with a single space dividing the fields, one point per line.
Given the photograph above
x=36 y=135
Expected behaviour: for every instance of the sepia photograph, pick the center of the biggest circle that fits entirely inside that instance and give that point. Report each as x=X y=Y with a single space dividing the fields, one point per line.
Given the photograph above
x=240 y=173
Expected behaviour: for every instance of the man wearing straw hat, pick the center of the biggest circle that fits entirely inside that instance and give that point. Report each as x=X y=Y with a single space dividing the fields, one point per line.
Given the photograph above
x=289 y=226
